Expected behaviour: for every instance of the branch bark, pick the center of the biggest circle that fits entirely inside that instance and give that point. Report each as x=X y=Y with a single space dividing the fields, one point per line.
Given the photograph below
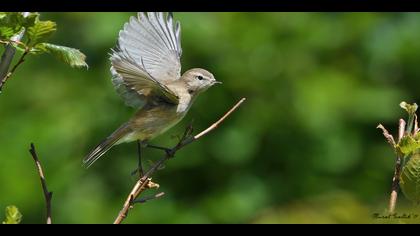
x=145 y=181
x=397 y=171
x=47 y=194
x=8 y=54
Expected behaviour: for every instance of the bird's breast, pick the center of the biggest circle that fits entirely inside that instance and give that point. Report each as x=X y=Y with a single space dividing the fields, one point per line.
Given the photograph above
x=148 y=123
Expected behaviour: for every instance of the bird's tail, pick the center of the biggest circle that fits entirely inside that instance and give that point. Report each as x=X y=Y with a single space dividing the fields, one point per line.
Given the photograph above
x=105 y=145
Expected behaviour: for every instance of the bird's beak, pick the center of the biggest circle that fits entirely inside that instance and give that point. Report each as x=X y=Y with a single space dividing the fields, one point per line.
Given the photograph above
x=217 y=82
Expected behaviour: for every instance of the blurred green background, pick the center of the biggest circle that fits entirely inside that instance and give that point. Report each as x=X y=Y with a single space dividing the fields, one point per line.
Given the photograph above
x=303 y=148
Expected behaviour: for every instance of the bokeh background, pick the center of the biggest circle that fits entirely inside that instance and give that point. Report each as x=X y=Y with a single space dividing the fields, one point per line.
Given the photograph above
x=303 y=148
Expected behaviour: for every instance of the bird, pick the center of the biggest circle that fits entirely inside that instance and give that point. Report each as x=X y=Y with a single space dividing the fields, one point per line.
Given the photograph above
x=146 y=73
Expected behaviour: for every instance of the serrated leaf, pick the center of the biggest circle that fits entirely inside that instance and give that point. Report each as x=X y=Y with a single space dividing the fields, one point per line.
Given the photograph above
x=11 y=19
x=8 y=32
x=13 y=216
x=410 y=179
x=71 y=56
x=40 y=31
x=408 y=145
x=10 y=24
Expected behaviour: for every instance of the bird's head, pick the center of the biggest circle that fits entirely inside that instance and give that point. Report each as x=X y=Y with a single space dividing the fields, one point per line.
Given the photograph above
x=198 y=80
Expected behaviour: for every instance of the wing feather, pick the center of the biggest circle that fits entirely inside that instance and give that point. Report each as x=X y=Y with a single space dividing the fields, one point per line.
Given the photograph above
x=147 y=56
x=135 y=78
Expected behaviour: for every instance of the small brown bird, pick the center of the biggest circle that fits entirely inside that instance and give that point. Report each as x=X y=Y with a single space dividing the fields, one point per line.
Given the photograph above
x=146 y=73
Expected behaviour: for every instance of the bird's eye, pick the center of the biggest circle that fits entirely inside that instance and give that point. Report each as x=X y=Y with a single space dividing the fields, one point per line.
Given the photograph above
x=200 y=77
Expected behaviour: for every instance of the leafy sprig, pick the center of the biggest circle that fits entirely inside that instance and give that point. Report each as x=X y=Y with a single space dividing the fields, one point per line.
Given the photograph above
x=407 y=149
x=13 y=215
x=34 y=41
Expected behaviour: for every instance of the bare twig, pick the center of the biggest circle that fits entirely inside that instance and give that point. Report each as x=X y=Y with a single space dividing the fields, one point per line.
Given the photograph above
x=397 y=171
x=144 y=182
x=47 y=194
x=388 y=136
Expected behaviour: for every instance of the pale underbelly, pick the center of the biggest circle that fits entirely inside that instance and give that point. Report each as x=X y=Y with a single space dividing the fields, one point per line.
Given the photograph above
x=151 y=125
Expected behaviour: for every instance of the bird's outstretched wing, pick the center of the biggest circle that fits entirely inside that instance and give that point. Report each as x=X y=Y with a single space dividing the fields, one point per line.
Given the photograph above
x=147 y=56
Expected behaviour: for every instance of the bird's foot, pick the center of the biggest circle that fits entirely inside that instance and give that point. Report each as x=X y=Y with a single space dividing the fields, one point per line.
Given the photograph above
x=169 y=151
x=136 y=172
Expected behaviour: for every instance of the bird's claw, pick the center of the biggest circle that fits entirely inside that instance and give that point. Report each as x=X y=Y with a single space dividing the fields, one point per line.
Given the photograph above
x=134 y=172
x=170 y=152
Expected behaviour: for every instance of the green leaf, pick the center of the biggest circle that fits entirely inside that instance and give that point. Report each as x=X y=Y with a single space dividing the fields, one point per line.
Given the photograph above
x=410 y=179
x=8 y=32
x=30 y=20
x=408 y=145
x=411 y=109
x=10 y=24
x=11 y=19
x=71 y=56
x=40 y=31
x=13 y=216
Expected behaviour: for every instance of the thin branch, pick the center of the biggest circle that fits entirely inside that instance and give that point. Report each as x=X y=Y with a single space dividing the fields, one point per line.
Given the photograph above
x=21 y=60
x=397 y=171
x=47 y=194
x=388 y=136
x=10 y=41
x=8 y=54
x=145 y=182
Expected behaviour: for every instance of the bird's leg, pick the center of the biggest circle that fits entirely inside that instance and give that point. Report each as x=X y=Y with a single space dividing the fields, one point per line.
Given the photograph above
x=139 y=165
x=169 y=151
